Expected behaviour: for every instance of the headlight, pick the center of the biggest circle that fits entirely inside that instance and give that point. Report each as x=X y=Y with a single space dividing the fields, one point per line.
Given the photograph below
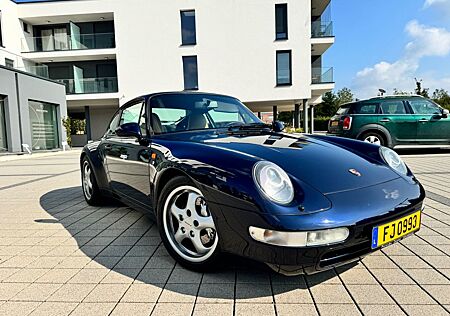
x=273 y=182
x=393 y=160
x=300 y=239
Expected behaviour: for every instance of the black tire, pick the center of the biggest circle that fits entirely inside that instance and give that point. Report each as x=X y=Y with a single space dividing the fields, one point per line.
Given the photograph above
x=373 y=137
x=93 y=198
x=171 y=194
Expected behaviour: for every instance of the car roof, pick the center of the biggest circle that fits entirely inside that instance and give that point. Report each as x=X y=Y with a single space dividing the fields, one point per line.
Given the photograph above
x=148 y=96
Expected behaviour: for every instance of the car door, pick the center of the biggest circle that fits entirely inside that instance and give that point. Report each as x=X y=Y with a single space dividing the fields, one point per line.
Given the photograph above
x=433 y=127
x=397 y=119
x=128 y=157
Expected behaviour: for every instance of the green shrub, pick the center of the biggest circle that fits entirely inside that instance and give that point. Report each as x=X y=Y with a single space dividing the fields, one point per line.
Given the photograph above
x=321 y=123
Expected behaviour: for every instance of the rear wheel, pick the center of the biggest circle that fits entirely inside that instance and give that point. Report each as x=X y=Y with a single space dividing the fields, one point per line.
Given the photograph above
x=373 y=138
x=186 y=225
x=91 y=191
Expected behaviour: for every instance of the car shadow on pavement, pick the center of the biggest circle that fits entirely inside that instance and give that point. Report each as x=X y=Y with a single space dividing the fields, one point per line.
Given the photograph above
x=127 y=243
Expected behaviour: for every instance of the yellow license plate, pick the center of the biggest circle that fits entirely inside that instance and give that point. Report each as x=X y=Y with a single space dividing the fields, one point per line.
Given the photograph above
x=334 y=123
x=394 y=230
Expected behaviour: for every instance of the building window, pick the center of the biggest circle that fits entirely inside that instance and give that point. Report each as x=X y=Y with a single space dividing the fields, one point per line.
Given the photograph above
x=9 y=63
x=190 y=72
x=3 y=141
x=281 y=21
x=25 y=28
x=43 y=124
x=284 y=71
x=1 y=34
x=188 y=33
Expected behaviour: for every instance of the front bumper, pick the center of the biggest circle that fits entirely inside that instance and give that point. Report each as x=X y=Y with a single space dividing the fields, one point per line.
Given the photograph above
x=358 y=210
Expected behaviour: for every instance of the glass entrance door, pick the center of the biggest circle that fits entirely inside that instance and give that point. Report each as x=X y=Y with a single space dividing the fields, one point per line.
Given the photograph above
x=44 y=127
x=3 y=142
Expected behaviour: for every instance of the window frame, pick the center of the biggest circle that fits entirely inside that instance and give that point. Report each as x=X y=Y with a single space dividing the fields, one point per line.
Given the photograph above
x=183 y=42
x=279 y=52
x=119 y=113
x=194 y=88
x=282 y=6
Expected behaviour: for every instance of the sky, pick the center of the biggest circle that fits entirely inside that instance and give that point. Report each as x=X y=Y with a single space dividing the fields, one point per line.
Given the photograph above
x=386 y=44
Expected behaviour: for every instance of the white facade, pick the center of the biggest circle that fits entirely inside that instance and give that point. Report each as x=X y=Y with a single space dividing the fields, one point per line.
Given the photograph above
x=235 y=48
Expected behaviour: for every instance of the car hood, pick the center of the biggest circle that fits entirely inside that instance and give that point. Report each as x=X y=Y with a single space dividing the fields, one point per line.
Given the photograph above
x=323 y=165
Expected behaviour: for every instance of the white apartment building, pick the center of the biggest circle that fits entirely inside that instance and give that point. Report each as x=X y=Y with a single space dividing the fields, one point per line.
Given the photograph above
x=267 y=53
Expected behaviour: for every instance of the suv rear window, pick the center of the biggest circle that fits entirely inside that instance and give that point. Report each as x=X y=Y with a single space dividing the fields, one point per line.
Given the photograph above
x=365 y=108
x=343 y=110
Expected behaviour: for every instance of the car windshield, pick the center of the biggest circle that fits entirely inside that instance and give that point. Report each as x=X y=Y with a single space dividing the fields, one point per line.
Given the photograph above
x=186 y=112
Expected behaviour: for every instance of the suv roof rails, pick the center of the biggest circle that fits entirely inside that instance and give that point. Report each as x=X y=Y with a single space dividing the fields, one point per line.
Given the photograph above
x=396 y=96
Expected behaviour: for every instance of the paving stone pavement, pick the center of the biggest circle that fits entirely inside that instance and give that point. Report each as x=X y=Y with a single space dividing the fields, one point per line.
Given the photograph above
x=59 y=256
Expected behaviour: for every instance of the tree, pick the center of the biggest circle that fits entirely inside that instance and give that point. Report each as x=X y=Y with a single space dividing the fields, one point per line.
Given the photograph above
x=441 y=97
x=329 y=105
x=345 y=95
x=419 y=90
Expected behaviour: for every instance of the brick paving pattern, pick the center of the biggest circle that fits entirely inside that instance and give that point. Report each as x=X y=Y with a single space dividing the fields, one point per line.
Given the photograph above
x=59 y=256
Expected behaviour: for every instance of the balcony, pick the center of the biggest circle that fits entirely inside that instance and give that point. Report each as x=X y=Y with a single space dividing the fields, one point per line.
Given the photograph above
x=64 y=42
x=321 y=29
x=322 y=75
x=90 y=85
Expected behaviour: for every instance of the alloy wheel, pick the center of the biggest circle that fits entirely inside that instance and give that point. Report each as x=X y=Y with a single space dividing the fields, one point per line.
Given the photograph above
x=88 y=187
x=188 y=224
x=373 y=139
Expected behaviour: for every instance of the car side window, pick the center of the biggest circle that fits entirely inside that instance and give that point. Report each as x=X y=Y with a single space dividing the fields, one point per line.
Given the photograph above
x=135 y=114
x=393 y=107
x=114 y=124
x=424 y=107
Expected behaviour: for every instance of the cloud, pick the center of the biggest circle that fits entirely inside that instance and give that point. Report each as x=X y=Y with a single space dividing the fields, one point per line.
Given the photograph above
x=425 y=41
x=430 y=3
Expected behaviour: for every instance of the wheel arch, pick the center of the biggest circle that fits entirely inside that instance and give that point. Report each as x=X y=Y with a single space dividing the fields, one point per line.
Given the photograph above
x=162 y=179
x=378 y=129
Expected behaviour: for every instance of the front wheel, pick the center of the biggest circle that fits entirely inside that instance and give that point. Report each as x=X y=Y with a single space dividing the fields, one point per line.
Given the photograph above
x=186 y=225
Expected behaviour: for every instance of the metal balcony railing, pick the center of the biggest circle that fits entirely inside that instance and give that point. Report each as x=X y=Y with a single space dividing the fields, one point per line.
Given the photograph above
x=322 y=75
x=65 y=42
x=321 y=29
x=90 y=85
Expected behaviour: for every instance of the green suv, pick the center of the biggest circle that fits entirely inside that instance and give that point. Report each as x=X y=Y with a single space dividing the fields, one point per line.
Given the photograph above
x=393 y=121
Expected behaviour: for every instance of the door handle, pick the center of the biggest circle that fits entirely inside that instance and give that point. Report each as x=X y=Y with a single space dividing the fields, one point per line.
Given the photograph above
x=385 y=120
x=423 y=120
x=108 y=147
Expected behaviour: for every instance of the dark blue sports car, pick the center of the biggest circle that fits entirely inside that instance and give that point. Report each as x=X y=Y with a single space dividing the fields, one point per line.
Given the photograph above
x=217 y=179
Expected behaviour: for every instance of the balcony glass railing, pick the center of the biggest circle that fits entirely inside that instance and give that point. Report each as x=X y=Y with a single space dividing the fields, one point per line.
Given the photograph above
x=322 y=75
x=321 y=29
x=37 y=70
x=64 y=42
x=90 y=85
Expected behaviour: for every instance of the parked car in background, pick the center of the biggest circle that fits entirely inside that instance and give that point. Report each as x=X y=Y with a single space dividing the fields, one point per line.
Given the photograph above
x=393 y=121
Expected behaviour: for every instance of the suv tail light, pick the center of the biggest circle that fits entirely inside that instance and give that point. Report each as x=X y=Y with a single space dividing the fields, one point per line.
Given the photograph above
x=347 y=123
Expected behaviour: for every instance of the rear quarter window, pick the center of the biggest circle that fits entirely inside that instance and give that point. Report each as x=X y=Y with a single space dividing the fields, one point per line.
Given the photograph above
x=365 y=108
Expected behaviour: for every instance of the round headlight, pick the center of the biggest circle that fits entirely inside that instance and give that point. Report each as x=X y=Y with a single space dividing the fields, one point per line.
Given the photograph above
x=393 y=160
x=273 y=182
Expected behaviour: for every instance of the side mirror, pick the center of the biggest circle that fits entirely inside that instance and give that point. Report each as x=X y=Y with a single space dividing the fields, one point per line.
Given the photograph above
x=129 y=130
x=277 y=126
x=445 y=113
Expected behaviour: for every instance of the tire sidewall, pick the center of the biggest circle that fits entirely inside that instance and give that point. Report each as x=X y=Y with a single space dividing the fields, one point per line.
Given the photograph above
x=205 y=265
x=96 y=196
